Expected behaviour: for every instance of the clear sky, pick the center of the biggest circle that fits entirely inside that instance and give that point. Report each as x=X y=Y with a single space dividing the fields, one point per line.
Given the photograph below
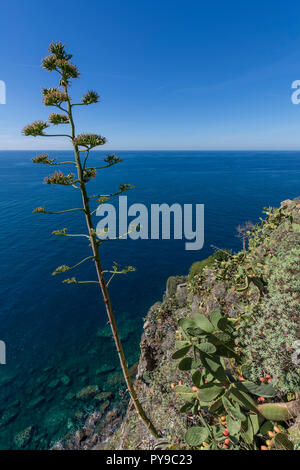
x=172 y=74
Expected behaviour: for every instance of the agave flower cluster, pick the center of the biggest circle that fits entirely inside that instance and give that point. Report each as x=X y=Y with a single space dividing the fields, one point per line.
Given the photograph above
x=72 y=280
x=59 y=177
x=39 y=210
x=88 y=174
x=125 y=187
x=90 y=97
x=89 y=140
x=35 y=129
x=112 y=159
x=43 y=159
x=59 y=61
x=56 y=118
x=53 y=97
x=61 y=269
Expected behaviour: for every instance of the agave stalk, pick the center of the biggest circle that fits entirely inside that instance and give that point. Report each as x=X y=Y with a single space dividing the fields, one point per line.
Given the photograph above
x=59 y=61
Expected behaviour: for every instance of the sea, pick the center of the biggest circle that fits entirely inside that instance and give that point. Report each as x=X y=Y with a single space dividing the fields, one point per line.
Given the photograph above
x=56 y=336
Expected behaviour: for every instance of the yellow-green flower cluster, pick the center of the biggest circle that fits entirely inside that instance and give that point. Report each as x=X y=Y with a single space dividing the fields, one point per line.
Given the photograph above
x=35 y=129
x=90 y=97
x=89 y=140
x=43 y=159
x=53 y=97
x=56 y=118
x=59 y=177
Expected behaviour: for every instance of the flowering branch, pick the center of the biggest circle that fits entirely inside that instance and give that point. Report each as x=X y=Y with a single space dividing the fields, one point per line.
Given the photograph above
x=64 y=268
x=63 y=232
x=59 y=61
x=42 y=210
x=44 y=160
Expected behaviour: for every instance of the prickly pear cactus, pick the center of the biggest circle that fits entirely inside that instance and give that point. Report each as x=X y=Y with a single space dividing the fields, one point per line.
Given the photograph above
x=274 y=412
x=261 y=390
x=195 y=436
x=282 y=442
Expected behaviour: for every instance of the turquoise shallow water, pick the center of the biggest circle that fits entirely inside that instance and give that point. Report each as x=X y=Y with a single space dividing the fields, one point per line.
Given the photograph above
x=56 y=335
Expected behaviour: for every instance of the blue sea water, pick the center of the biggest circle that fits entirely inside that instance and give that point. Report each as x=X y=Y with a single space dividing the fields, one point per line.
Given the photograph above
x=56 y=335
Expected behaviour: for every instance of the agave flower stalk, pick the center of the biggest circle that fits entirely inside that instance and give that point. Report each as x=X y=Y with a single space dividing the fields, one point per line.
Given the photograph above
x=59 y=61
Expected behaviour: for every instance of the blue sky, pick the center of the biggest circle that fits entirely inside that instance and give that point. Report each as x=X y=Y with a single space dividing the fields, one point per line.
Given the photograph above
x=174 y=74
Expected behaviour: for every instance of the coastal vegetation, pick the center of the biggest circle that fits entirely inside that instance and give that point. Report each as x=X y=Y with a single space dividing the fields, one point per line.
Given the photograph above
x=223 y=348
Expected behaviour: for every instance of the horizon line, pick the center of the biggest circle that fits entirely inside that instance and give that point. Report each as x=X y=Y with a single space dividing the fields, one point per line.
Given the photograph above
x=156 y=150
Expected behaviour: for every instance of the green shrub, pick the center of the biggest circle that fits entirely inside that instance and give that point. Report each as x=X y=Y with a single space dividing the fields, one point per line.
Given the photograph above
x=268 y=339
x=199 y=266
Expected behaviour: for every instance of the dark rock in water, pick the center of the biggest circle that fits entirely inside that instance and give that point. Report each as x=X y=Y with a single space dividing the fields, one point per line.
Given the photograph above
x=125 y=330
x=15 y=404
x=103 y=396
x=42 y=380
x=65 y=379
x=115 y=379
x=55 y=420
x=23 y=438
x=70 y=396
x=8 y=417
x=87 y=392
x=36 y=402
x=105 y=368
x=8 y=379
x=84 y=380
x=92 y=352
x=54 y=383
x=93 y=420
x=82 y=371
x=104 y=406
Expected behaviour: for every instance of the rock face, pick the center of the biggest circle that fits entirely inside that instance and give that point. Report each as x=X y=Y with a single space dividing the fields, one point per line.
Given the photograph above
x=156 y=369
x=80 y=436
x=97 y=429
x=181 y=294
x=172 y=284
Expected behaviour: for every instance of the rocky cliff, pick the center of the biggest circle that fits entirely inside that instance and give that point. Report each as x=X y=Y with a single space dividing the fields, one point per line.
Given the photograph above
x=258 y=290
